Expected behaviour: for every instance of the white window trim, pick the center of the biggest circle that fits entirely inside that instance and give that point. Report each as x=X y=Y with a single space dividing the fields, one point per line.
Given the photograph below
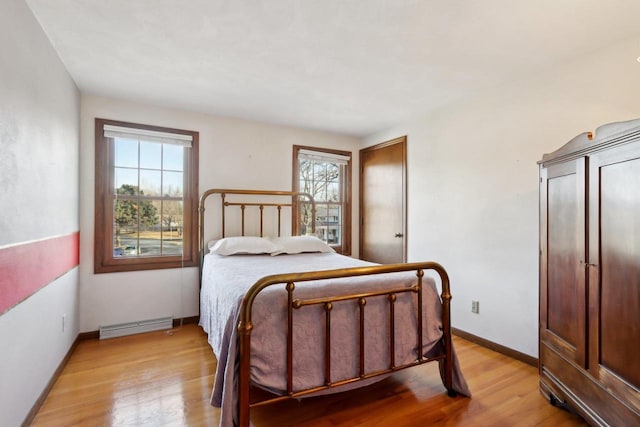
x=111 y=131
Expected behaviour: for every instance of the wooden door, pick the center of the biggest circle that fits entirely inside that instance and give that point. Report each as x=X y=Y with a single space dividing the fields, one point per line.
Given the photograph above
x=614 y=271
x=562 y=259
x=383 y=202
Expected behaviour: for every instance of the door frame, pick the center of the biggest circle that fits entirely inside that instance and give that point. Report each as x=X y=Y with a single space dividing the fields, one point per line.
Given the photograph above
x=399 y=140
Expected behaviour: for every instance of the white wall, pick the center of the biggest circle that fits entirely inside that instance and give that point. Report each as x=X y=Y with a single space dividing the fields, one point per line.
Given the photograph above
x=39 y=126
x=473 y=182
x=233 y=154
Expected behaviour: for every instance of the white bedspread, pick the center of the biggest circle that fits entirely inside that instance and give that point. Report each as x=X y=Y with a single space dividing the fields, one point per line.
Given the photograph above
x=226 y=279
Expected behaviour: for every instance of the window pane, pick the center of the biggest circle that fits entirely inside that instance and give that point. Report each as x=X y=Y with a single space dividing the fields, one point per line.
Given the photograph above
x=319 y=170
x=148 y=214
x=150 y=155
x=128 y=246
x=172 y=222
x=306 y=170
x=333 y=235
x=150 y=182
x=305 y=187
x=333 y=192
x=172 y=156
x=150 y=231
x=321 y=212
x=333 y=212
x=172 y=184
x=125 y=226
x=320 y=191
x=126 y=181
x=126 y=153
x=333 y=172
x=305 y=218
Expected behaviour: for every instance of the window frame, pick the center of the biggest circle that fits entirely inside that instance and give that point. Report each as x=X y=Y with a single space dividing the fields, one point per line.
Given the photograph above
x=104 y=261
x=345 y=247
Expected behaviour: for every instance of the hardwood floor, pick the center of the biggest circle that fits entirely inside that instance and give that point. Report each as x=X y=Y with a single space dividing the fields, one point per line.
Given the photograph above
x=162 y=379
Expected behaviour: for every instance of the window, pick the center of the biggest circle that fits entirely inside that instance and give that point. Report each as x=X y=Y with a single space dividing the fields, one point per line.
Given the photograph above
x=326 y=175
x=146 y=197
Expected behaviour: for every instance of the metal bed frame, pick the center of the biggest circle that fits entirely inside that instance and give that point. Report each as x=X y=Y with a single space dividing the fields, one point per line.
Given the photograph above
x=245 y=325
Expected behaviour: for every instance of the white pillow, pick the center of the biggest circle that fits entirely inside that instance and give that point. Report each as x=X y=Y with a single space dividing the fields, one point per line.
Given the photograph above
x=299 y=244
x=243 y=245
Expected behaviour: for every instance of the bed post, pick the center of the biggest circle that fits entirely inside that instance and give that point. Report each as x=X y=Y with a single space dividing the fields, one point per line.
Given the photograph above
x=244 y=332
x=446 y=333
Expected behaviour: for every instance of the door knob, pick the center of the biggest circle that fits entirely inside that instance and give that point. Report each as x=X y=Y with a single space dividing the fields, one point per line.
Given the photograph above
x=398 y=235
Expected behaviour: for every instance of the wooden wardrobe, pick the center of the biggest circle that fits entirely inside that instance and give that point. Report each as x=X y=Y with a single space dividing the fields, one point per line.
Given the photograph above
x=590 y=275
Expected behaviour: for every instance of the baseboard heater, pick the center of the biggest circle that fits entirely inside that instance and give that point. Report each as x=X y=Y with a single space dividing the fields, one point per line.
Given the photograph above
x=139 y=327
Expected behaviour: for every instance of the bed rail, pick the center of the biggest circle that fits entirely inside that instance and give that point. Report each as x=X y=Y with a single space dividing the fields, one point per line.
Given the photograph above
x=245 y=326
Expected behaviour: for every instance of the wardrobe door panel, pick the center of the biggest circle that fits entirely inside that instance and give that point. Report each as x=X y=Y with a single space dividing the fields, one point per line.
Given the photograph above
x=563 y=270
x=615 y=270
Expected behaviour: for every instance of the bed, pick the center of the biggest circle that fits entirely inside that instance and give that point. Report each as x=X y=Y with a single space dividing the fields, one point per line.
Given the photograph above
x=288 y=318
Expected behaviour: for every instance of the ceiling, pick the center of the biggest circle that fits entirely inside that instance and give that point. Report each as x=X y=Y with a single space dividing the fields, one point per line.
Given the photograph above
x=346 y=66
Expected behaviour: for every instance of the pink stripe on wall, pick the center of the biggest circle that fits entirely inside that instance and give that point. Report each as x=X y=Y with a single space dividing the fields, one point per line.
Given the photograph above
x=26 y=268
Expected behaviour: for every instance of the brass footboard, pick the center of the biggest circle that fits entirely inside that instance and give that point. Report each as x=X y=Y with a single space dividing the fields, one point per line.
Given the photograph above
x=245 y=326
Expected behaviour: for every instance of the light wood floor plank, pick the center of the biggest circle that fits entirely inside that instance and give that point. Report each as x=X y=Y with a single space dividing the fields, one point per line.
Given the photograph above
x=165 y=379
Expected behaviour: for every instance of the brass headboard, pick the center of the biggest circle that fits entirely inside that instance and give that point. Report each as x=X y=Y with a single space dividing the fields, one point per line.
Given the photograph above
x=294 y=196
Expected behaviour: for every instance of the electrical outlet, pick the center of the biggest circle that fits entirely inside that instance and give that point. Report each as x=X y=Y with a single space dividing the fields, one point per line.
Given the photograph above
x=475 y=307
x=64 y=322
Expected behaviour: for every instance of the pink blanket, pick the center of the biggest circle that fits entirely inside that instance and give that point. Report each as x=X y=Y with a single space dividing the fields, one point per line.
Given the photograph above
x=226 y=279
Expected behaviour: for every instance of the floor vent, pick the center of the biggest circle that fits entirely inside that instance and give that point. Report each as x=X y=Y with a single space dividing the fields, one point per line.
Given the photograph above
x=131 y=328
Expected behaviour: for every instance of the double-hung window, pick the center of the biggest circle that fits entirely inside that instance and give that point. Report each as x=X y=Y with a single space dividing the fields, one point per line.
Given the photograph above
x=326 y=175
x=146 y=197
